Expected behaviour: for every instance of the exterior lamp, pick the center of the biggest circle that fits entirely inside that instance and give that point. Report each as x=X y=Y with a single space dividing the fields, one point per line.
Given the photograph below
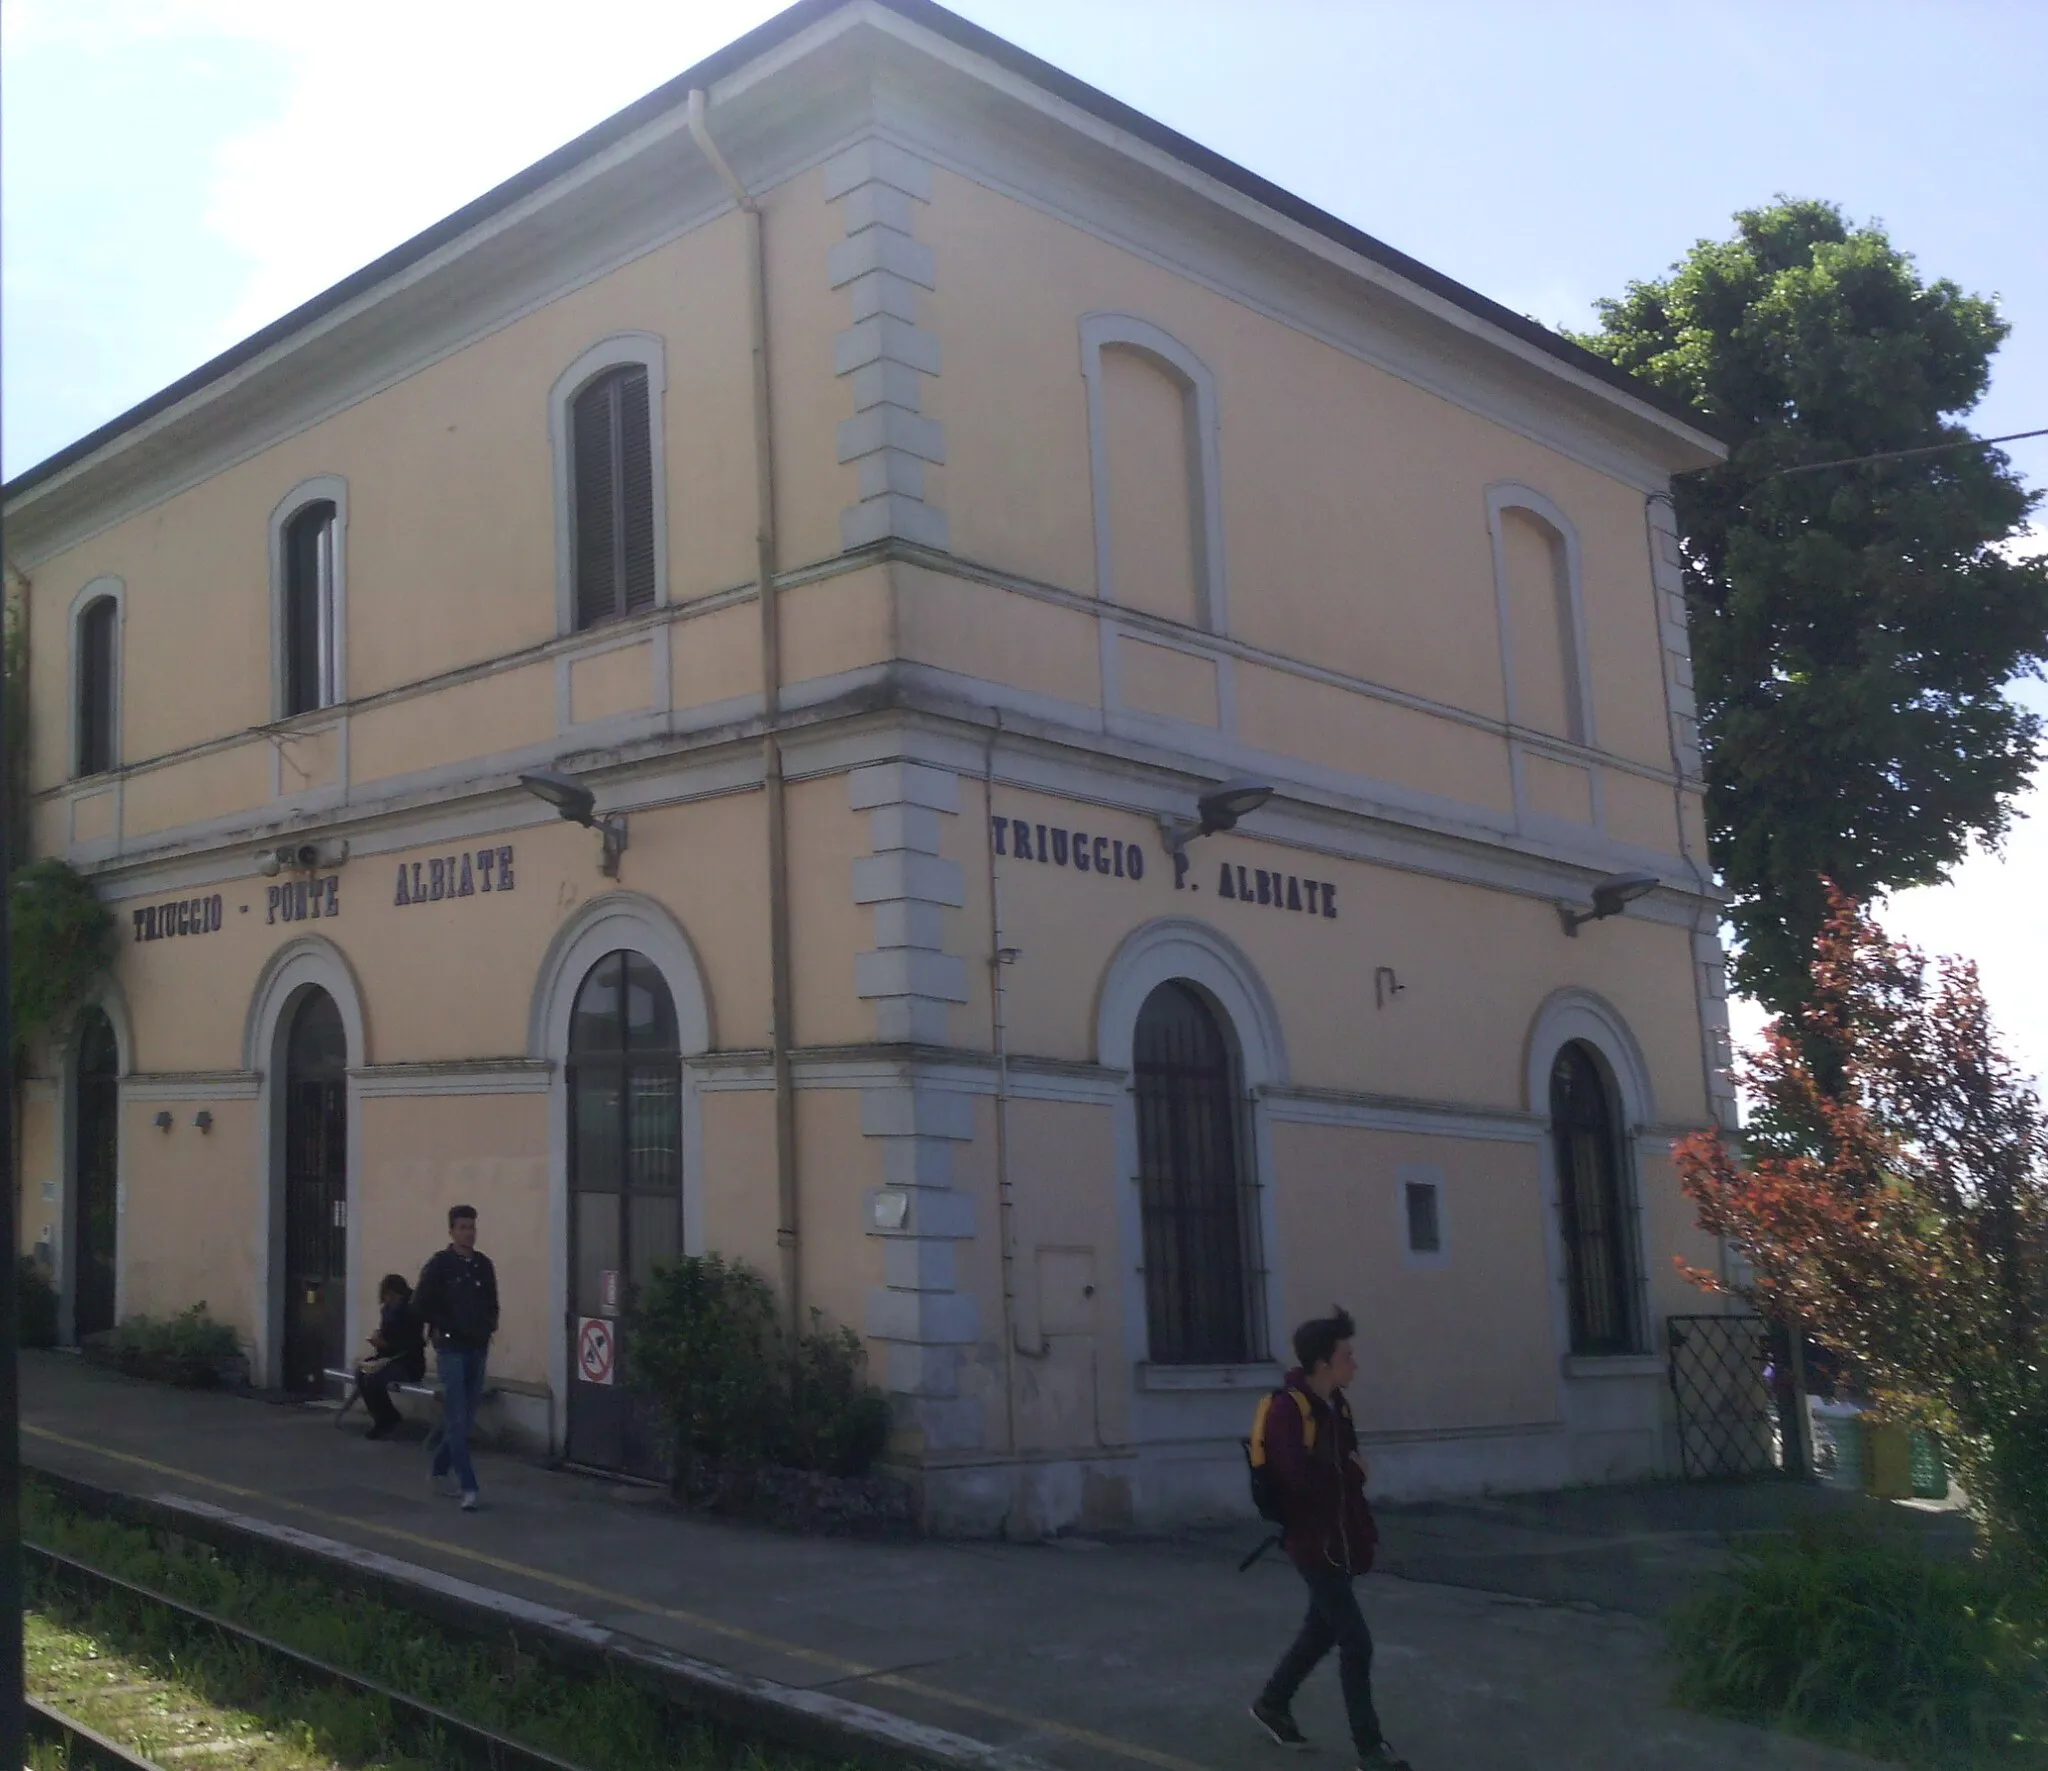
x=572 y=800
x=1611 y=896
x=1219 y=809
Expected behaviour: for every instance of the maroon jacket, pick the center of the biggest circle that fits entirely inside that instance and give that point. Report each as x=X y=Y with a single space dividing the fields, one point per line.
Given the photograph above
x=1328 y=1521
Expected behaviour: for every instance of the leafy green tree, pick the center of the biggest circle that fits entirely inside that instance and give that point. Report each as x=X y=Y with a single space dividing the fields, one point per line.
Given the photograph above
x=1854 y=628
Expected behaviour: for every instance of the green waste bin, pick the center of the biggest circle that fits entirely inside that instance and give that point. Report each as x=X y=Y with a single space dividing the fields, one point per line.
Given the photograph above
x=1927 y=1470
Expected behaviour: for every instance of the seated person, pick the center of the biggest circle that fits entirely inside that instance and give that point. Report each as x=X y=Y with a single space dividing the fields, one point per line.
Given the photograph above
x=399 y=1355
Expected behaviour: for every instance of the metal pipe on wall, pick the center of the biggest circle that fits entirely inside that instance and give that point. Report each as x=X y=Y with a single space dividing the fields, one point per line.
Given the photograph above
x=781 y=995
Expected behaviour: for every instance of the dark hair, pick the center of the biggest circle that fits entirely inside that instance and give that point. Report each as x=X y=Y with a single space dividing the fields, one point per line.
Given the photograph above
x=1315 y=1341
x=460 y=1211
x=394 y=1282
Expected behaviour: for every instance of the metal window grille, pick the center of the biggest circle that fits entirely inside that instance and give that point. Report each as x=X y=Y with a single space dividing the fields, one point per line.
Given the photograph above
x=1191 y=1170
x=1425 y=1236
x=613 y=483
x=316 y=1145
x=1592 y=1204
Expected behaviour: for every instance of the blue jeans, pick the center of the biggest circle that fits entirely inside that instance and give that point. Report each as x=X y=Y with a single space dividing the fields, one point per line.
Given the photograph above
x=462 y=1386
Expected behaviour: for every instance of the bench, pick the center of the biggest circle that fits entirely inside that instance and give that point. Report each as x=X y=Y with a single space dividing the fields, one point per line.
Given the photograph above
x=427 y=1389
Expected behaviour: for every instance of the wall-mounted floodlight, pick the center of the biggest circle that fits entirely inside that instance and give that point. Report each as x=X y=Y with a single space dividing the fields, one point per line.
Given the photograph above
x=1219 y=809
x=578 y=804
x=1611 y=897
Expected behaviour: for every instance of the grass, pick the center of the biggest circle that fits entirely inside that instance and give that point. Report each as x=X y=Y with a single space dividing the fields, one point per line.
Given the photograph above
x=179 y=1701
x=1859 y=1639
x=602 y=1721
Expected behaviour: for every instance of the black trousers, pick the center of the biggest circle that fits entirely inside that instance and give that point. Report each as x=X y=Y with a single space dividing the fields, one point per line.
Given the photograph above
x=1334 y=1621
x=376 y=1387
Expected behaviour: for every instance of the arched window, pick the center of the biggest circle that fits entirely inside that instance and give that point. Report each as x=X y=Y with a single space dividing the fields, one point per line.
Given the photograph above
x=315 y=1193
x=1593 y=1202
x=1153 y=459
x=625 y=1186
x=311 y=608
x=1198 y=1302
x=612 y=476
x=96 y=639
x=1536 y=570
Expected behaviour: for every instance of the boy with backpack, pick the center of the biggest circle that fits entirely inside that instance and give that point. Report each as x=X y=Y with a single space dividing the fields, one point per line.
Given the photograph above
x=1309 y=1478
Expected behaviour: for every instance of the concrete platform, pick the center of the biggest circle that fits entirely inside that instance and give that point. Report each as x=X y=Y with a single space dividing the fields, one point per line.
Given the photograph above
x=1089 y=1656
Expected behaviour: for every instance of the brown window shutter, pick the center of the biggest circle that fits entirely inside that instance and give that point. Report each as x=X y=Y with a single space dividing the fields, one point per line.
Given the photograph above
x=596 y=527
x=636 y=492
x=96 y=688
x=614 y=490
x=303 y=613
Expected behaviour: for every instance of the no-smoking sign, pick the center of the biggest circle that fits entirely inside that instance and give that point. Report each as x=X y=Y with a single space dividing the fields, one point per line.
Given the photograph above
x=596 y=1350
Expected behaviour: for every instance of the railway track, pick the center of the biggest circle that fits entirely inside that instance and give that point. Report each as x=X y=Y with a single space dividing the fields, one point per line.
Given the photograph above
x=85 y=1749
x=470 y=1744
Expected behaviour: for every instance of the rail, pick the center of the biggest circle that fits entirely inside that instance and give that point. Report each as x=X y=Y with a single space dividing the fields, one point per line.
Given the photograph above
x=479 y=1745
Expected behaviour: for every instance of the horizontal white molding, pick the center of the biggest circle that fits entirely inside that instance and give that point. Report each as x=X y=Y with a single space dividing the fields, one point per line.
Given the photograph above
x=191 y=1085
x=455 y=1076
x=1389 y=1113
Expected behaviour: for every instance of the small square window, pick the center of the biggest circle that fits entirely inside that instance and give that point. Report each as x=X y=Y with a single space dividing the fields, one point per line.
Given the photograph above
x=1425 y=1235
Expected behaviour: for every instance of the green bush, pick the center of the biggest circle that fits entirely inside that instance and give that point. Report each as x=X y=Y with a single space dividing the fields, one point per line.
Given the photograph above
x=707 y=1346
x=61 y=939
x=1866 y=1642
x=837 y=1421
x=191 y=1334
x=35 y=1304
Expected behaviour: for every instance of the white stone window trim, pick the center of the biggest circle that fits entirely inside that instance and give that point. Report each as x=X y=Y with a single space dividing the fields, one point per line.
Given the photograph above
x=1205 y=478
x=1430 y=1175
x=307 y=963
x=1507 y=495
x=648 y=351
x=1572 y=1014
x=320 y=489
x=108 y=584
x=107 y=997
x=1175 y=949
x=605 y=925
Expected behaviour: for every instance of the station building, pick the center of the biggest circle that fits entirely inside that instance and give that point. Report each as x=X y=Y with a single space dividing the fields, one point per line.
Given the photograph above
x=890 y=498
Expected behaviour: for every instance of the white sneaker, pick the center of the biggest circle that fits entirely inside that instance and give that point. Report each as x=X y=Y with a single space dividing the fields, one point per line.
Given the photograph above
x=469 y=1500
x=444 y=1484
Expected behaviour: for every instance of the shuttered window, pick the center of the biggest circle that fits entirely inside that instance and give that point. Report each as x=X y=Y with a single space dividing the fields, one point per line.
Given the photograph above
x=309 y=610
x=613 y=484
x=98 y=626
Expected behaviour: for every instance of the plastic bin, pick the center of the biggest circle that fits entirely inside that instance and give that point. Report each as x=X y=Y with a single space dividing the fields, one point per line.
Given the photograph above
x=1927 y=1470
x=1887 y=1462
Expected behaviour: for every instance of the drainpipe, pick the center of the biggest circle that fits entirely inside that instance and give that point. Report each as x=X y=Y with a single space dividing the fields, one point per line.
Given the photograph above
x=780 y=993
x=999 y=960
x=1702 y=879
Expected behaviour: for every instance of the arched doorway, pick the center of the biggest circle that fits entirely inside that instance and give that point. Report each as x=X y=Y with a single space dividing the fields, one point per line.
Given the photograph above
x=95 y=1179
x=1592 y=1203
x=1199 y=1308
x=315 y=1193
x=625 y=1195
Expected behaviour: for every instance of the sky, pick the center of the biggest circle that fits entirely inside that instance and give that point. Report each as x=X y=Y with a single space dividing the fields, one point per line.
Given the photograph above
x=175 y=173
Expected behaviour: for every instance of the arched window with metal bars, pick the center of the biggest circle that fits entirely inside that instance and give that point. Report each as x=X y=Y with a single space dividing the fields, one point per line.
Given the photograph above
x=1192 y=1183
x=1593 y=1203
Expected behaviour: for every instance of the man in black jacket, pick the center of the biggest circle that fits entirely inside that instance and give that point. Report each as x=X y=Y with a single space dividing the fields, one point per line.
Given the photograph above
x=457 y=1299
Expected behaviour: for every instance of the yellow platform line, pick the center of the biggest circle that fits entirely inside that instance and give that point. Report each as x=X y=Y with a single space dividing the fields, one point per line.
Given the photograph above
x=848 y=1669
